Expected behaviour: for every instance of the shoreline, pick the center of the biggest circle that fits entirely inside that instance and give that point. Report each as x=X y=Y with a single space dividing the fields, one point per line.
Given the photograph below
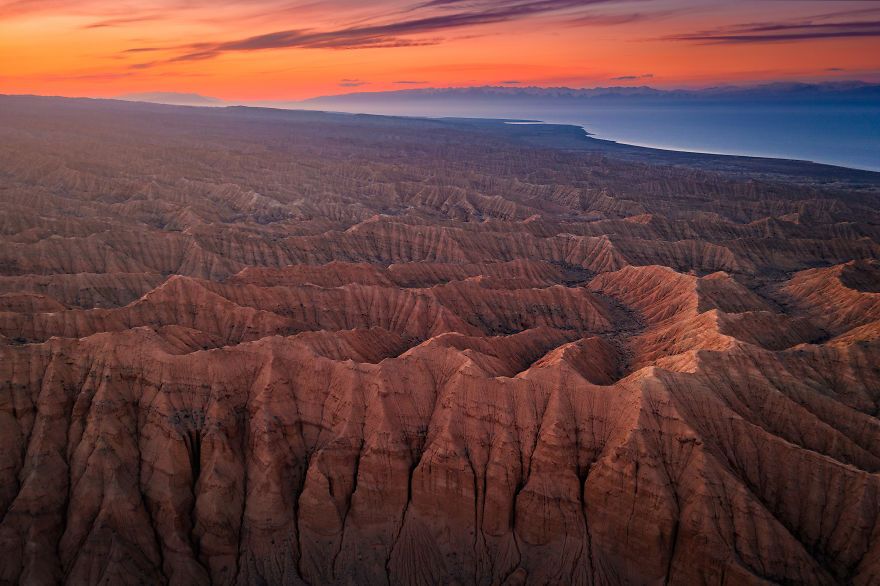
x=690 y=151
x=672 y=148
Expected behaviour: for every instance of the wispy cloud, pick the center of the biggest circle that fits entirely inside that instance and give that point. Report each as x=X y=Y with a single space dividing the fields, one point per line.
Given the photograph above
x=94 y=8
x=776 y=32
x=397 y=32
x=352 y=83
x=614 y=19
x=122 y=21
x=633 y=77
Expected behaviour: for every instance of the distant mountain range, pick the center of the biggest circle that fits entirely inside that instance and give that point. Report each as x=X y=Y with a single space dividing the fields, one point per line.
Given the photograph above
x=832 y=91
x=843 y=91
x=173 y=98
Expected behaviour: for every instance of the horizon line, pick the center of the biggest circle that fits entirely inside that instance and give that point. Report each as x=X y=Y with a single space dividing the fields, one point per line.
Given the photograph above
x=510 y=88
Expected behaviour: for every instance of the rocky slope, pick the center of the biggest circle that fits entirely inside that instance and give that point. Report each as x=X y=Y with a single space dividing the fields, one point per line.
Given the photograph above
x=245 y=346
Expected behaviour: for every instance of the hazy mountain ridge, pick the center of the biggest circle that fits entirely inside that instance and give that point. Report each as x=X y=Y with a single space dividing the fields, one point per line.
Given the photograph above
x=772 y=91
x=173 y=99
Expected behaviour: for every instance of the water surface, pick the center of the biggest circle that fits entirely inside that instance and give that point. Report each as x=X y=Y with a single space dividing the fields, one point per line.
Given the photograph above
x=837 y=132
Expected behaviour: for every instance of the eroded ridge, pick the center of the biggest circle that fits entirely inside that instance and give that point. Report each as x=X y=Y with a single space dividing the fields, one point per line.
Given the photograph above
x=254 y=347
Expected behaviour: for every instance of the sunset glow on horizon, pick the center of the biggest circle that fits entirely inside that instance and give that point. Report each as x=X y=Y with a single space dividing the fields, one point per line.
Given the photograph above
x=283 y=50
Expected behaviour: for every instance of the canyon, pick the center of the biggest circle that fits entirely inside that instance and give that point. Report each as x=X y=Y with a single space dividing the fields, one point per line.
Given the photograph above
x=253 y=346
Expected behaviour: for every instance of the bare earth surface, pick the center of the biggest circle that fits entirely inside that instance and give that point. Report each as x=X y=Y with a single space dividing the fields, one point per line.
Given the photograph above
x=245 y=346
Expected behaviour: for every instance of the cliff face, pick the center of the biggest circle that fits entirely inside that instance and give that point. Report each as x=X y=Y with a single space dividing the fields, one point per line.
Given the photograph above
x=247 y=347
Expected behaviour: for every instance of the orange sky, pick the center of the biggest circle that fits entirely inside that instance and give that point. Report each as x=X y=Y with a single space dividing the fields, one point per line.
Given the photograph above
x=288 y=49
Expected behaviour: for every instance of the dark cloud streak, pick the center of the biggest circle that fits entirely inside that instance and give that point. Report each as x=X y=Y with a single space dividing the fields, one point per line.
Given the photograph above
x=393 y=34
x=783 y=32
x=633 y=77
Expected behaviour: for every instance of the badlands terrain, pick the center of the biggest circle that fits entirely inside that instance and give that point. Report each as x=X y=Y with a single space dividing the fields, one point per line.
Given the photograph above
x=245 y=346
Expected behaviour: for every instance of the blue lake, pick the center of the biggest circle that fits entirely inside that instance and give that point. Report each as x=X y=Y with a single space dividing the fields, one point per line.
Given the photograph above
x=837 y=132
x=840 y=136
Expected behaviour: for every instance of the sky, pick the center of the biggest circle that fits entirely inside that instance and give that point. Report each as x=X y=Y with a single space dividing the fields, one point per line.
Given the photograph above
x=289 y=49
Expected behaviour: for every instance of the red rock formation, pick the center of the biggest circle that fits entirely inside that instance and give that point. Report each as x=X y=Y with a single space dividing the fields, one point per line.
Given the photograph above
x=245 y=346
x=840 y=297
